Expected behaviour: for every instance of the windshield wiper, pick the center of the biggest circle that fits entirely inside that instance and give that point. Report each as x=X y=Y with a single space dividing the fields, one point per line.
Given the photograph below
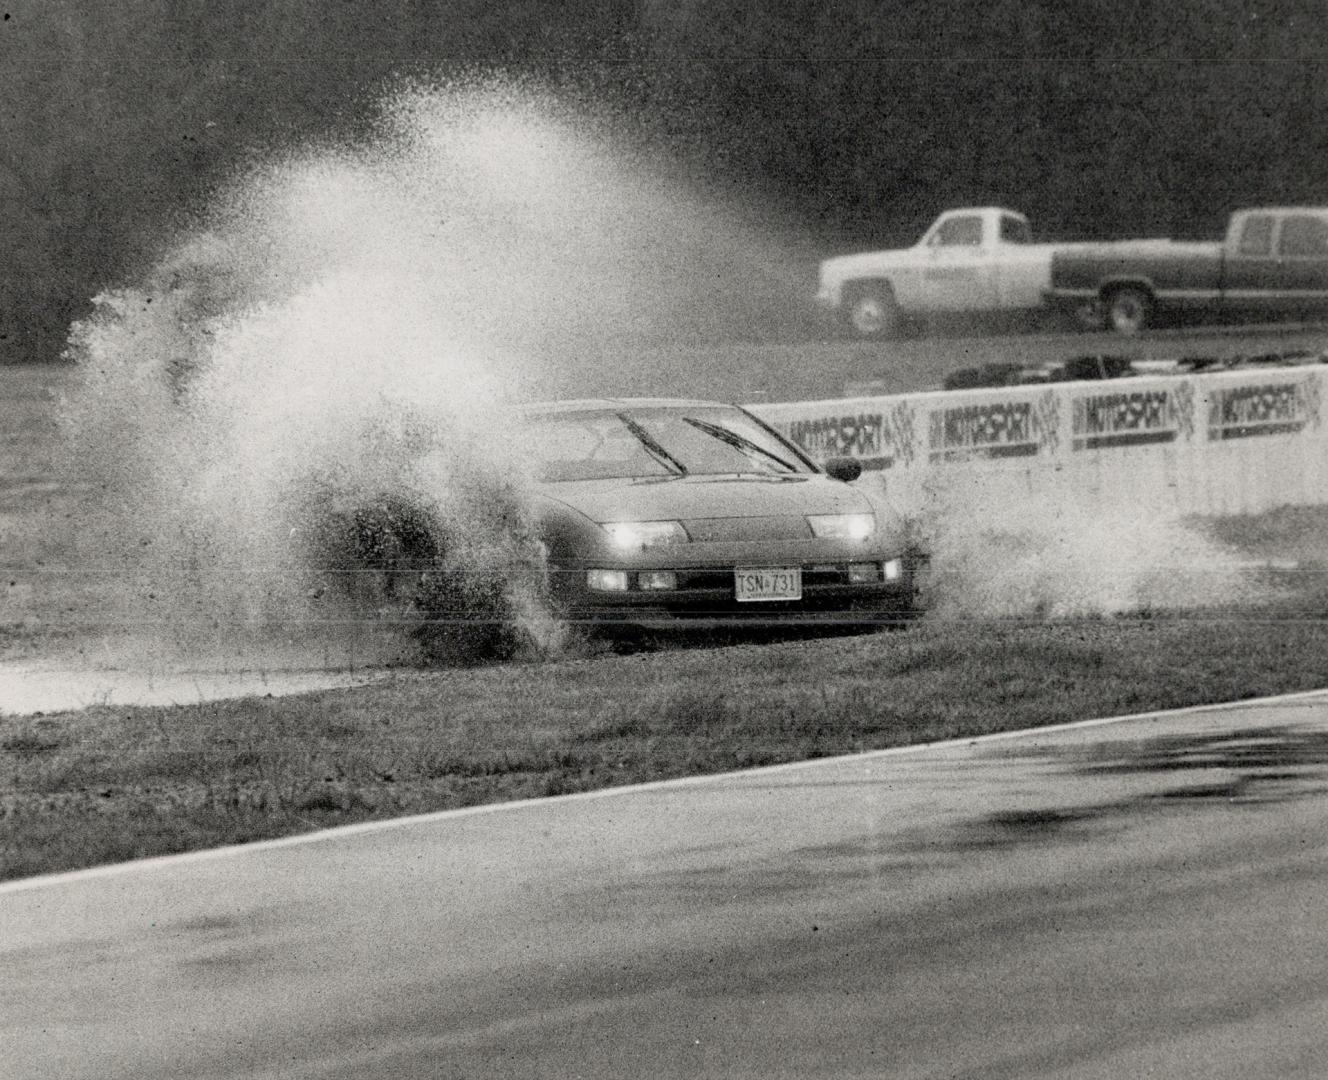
x=656 y=451
x=738 y=442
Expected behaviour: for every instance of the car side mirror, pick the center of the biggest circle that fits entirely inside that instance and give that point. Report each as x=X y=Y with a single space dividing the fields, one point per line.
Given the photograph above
x=846 y=469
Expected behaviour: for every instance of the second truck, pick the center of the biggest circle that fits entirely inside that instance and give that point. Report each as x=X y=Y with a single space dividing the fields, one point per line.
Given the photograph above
x=1273 y=263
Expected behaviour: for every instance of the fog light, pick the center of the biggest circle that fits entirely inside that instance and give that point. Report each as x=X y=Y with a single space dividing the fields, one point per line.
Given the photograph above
x=657 y=580
x=894 y=570
x=607 y=580
x=862 y=572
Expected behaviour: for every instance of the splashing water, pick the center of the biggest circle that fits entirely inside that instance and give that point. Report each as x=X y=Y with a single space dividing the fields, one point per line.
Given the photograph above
x=325 y=367
x=1040 y=556
x=344 y=335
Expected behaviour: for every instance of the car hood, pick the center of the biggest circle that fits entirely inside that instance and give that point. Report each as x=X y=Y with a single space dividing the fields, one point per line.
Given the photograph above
x=683 y=497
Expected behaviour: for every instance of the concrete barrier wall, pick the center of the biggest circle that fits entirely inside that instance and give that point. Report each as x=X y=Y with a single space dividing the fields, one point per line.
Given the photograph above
x=1222 y=443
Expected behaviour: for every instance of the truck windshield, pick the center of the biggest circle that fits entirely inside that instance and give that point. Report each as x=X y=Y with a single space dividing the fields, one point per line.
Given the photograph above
x=1256 y=238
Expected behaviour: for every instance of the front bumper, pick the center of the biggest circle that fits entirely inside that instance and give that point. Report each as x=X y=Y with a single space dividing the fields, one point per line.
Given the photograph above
x=707 y=596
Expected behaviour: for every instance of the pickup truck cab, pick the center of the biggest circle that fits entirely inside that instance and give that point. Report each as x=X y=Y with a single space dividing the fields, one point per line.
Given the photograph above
x=1273 y=262
x=973 y=260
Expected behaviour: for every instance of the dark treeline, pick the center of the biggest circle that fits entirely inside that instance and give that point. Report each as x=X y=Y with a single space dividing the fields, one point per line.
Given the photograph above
x=865 y=117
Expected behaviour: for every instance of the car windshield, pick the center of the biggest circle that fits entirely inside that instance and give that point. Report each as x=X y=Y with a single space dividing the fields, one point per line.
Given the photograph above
x=625 y=443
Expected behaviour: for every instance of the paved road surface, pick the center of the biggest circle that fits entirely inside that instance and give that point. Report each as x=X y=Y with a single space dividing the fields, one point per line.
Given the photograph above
x=1124 y=900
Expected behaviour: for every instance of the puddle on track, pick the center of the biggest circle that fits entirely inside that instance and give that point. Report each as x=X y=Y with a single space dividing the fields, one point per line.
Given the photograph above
x=30 y=688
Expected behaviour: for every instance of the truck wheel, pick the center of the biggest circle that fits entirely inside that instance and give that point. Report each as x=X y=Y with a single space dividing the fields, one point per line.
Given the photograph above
x=872 y=311
x=1128 y=310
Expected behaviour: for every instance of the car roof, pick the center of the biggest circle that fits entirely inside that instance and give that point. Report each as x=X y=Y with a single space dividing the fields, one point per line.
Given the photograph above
x=604 y=404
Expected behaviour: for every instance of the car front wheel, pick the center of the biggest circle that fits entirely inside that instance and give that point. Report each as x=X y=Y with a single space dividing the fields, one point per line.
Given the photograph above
x=872 y=311
x=1129 y=310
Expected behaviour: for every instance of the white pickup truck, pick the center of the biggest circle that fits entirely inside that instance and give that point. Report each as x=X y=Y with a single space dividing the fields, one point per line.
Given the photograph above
x=978 y=260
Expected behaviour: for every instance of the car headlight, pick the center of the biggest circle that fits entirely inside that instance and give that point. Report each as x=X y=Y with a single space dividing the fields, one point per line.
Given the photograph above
x=635 y=535
x=842 y=526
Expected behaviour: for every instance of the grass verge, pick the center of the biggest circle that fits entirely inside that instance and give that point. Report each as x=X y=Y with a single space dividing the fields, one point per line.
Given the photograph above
x=113 y=783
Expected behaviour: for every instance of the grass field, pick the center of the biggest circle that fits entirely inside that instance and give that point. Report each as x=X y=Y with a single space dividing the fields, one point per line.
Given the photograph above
x=110 y=783
x=106 y=784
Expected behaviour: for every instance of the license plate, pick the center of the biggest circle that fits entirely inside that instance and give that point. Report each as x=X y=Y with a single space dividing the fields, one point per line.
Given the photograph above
x=768 y=582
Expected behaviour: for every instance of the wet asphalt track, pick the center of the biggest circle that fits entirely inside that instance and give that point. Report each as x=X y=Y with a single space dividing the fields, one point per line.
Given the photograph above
x=1132 y=899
